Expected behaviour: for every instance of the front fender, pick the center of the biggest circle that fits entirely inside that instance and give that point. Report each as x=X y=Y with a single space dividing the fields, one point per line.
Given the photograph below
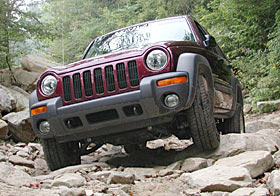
x=195 y=65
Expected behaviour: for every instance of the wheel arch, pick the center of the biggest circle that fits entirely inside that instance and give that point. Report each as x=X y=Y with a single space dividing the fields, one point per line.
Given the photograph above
x=194 y=65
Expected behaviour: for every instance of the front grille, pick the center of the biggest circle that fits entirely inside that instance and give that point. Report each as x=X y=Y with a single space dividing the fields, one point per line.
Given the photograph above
x=100 y=81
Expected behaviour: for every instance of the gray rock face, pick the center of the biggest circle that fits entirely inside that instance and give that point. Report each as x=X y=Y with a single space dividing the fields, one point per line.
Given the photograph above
x=273 y=182
x=19 y=124
x=218 y=178
x=253 y=127
x=15 y=177
x=69 y=180
x=5 y=101
x=257 y=162
x=3 y=129
x=121 y=178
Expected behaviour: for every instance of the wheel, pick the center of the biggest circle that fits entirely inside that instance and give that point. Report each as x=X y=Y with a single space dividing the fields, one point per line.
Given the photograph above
x=59 y=155
x=131 y=148
x=201 y=119
x=236 y=124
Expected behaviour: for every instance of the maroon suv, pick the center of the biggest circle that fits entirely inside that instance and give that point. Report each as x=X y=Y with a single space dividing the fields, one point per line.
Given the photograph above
x=136 y=84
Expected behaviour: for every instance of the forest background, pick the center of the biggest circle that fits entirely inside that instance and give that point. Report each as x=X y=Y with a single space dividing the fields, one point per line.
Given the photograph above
x=248 y=31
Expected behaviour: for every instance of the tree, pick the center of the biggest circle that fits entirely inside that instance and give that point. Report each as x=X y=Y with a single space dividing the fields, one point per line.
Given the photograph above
x=17 y=24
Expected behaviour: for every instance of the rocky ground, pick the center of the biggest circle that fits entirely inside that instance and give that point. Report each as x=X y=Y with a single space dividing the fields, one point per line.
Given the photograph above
x=245 y=164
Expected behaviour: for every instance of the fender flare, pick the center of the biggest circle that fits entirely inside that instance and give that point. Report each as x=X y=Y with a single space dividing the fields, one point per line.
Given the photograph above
x=194 y=65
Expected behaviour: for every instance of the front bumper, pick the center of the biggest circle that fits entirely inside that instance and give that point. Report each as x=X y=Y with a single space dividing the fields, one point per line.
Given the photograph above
x=113 y=114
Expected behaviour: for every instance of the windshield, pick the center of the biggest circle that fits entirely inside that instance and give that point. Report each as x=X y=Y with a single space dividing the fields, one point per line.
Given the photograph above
x=142 y=35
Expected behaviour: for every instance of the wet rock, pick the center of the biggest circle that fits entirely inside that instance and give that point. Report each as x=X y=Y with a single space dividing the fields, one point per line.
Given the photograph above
x=257 y=162
x=3 y=129
x=19 y=124
x=15 y=177
x=218 y=178
x=250 y=192
x=255 y=126
x=17 y=160
x=194 y=164
x=69 y=180
x=273 y=182
x=121 y=178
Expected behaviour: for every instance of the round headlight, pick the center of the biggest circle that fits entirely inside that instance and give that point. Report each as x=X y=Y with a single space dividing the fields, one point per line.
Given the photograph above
x=156 y=60
x=48 y=85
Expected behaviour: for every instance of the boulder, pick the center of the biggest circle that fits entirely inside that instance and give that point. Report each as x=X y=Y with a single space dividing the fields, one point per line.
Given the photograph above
x=69 y=180
x=262 y=104
x=65 y=191
x=250 y=192
x=257 y=162
x=17 y=160
x=277 y=158
x=255 y=126
x=142 y=173
x=26 y=79
x=21 y=97
x=233 y=144
x=37 y=64
x=218 y=178
x=13 y=176
x=3 y=129
x=20 y=126
x=193 y=164
x=7 y=102
x=121 y=178
x=273 y=182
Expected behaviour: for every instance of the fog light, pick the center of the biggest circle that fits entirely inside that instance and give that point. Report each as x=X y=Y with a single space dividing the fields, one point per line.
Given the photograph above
x=171 y=100
x=44 y=127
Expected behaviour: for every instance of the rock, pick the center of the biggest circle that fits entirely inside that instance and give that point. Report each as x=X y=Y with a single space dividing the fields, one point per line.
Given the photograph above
x=22 y=154
x=220 y=193
x=41 y=167
x=118 y=192
x=19 y=124
x=257 y=162
x=17 y=160
x=21 y=97
x=101 y=176
x=262 y=104
x=233 y=144
x=277 y=158
x=37 y=64
x=247 y=108
x=26 y=79
x=15 y=177
x=273 y=182
x=3 y=129
x=5 y=78
x=193 y=164
x=70 y=180
x=250 y=192
x=255 y=126
x=218 y=178
x=121 y=178
x=3 y=157
x=142 y=173
x=6 y=104
x=65 y=191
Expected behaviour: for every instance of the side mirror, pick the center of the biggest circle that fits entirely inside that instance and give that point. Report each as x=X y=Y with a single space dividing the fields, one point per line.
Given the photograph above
x=210 y=42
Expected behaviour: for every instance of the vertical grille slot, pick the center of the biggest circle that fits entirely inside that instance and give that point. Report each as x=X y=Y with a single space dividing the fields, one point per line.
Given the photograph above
x=121 y=75
x=87 y=83
x=99 y=87
x=77 y=86
x=110 y=81
x=67 y=88
x=133 y=73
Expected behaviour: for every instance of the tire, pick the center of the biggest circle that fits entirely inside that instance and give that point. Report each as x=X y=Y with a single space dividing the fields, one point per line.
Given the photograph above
x=201 y=119
x=131 y=148
x=236 y=124
x=59 y=155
